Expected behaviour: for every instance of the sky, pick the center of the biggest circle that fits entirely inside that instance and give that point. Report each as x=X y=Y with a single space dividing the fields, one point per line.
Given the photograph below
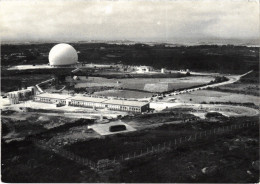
x=138 y=20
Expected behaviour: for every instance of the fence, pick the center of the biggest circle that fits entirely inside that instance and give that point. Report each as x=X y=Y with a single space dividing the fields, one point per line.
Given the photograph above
x=64 y=153
x=163 y=147
x=173 y=144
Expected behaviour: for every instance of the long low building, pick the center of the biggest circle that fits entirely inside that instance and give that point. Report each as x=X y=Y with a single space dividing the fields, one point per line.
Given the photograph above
x=93 y=102
x=125 y=105
x=52 y=98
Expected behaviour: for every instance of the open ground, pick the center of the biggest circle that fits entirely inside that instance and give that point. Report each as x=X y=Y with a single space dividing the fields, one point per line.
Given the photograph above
x=174 y=113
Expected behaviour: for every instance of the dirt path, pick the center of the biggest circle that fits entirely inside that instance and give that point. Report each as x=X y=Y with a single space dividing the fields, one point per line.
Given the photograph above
x=228 y=110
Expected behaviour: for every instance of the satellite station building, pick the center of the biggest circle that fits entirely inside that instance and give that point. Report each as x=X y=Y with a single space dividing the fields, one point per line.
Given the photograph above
x=93 y=102
x=64 y=55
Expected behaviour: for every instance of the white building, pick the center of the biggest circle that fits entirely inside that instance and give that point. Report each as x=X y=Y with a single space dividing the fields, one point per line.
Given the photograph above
x=16 y=97
x=143 y=69
x=163 y=70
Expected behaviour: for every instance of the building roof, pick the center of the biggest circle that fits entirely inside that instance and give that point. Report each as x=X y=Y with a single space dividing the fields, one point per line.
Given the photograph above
x=54 y=95
x=89 y=99
x=22 y=90
x=93 y=99
x=125 y=102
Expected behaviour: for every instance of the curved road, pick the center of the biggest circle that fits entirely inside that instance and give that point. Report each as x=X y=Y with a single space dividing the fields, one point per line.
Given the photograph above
x=232 y=79
x=229 y=110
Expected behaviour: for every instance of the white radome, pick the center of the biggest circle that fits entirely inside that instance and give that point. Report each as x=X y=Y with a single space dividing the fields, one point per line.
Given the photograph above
x=63 y=54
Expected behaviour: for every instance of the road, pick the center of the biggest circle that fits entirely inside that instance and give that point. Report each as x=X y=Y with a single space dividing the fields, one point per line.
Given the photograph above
x=231 y=79
x=228 y=110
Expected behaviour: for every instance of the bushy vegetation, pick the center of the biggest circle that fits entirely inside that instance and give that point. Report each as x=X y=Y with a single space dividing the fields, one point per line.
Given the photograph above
x=229 y=157
x=234 y=59
x=22 y=162
x=251 y=78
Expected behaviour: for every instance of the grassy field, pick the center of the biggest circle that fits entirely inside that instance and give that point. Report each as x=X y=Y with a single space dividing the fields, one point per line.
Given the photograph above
x=251 y=78
x=248 y=84
x=124 y=93
x=139 y=83
x=241 y=88
x=217 y=96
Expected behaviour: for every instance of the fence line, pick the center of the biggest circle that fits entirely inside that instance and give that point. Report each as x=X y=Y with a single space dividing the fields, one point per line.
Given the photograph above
x=67 y=154
x=173 y=144
x=162 y=147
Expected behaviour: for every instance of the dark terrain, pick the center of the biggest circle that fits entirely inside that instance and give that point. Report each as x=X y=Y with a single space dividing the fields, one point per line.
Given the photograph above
x=224 y=59
x=229 y=156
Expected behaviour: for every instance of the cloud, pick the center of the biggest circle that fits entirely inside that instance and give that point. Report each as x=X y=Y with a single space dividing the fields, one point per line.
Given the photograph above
x=140 y=20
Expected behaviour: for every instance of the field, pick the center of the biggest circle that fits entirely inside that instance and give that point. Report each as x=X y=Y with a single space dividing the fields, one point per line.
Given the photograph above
x=124 y=93
x=240 y=88
x=246 y=90
x=140 y=83
x=248 y=84
x=216 y=96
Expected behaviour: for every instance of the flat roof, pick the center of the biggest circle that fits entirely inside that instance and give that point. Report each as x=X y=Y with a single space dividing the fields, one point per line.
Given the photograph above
x=22 y=90
x=54 y=95
x=125 y=102
x=93 y=99
x=89 y=99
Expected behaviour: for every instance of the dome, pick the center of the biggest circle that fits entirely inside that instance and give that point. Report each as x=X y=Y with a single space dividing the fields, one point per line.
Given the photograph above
x=63 y=54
